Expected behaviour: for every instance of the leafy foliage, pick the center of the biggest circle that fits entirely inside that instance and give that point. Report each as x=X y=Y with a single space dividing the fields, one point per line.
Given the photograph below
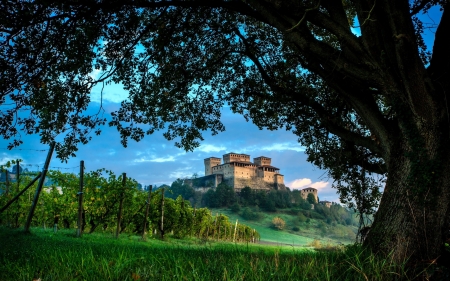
x=58 y=206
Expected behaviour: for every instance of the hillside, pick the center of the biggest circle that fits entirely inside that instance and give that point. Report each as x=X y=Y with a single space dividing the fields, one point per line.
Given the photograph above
x=297 y=231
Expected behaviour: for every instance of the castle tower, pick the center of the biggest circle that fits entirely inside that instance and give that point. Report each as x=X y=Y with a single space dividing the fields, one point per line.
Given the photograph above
x=235 y=157
x=211 y=162
x=308 y=190
x=262 y=161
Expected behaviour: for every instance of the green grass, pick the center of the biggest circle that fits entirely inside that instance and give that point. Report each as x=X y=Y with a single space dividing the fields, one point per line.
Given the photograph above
x=286 y=236
x=61 y=256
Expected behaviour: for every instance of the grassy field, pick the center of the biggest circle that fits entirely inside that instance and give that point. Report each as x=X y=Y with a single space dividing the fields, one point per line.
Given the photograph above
x=287 y=236
x=44 y=255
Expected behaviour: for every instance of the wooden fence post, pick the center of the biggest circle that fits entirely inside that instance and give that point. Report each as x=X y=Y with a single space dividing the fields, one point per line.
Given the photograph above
x=119 y=216
x=17 y=176
x=39 y=187
x=80 y=201
x=161 y=226
x=6 y=181
x=235 y=228
x=215 y=225
x=146 y=211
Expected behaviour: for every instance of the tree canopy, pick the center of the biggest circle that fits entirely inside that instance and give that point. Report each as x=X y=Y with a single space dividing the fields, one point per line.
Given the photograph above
x=373 y=101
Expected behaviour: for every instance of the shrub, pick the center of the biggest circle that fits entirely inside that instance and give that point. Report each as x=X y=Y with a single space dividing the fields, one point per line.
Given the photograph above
x=302 y=218
x=248 y=214
x=296 y=228
x=235 y=208
x=315 y=244
x=278 y=223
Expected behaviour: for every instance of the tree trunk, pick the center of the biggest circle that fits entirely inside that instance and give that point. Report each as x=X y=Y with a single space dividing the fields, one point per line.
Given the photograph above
x=413 y=216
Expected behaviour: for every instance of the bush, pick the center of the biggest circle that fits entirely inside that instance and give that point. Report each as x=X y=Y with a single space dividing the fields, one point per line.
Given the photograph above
x=278 y=223
x=235 y=208
x=296 y=228
x=315 y=244
x=248 y=214
x=302 y=218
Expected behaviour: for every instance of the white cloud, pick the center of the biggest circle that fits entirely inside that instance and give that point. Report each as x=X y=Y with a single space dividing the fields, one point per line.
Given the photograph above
x=211 y=148
x=305 y=182
x=283 y=146
x=275 y=147
x=155 y=159
x=181 y=173
x=319 y=185
x=299 y=183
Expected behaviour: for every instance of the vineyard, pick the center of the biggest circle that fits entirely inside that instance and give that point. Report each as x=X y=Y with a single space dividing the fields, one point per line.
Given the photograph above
x=112 y=204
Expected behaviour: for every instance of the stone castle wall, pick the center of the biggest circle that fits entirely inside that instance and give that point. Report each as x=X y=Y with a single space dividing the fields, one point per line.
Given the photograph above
x=237 y=171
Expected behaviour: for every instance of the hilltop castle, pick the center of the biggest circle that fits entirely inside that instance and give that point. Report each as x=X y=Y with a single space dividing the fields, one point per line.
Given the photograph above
x=238 y=172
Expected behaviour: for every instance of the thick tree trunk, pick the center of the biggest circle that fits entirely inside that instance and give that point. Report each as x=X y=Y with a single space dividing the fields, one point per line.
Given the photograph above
x=413 y=217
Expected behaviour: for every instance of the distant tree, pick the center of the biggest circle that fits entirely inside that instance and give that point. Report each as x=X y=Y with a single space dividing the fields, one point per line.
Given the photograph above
x=297 y=196
x=179 y=187
x=210 y=199
x=260 y=198
x=269 y=203
x=311 y=198
x=235 y=208
x=225 y=194
x=246 y=196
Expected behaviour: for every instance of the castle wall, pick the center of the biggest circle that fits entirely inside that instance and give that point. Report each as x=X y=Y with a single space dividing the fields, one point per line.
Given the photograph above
x=247 y=172
x=253 y=183
x=279 y=179
x=203 y=184
x=307 y=191
x=235 y=157
x=261 y=161
x=210 y=163
x=237 y=171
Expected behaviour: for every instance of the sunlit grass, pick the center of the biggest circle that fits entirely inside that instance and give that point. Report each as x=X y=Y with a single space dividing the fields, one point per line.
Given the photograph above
x=263 y=226
x=62 y=256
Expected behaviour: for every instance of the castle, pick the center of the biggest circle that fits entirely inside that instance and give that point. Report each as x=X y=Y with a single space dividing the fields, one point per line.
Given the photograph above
x=238 y=172
x=308 y=190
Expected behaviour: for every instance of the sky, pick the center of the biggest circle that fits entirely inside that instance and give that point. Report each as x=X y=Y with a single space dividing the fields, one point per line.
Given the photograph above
x=156 y=161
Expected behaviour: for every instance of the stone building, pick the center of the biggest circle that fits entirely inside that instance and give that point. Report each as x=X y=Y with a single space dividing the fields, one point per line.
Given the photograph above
x=238 y=171
x=308 y=190
x=326 y=203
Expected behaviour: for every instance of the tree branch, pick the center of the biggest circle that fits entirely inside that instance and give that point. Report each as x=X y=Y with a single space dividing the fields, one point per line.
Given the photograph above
x=304 y=100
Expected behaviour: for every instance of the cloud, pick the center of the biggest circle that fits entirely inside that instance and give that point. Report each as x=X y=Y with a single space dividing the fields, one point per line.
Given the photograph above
x=157 y=159
x=283 y=146
x=299 y=183
x=305 y=182
x=278 y=147
x=319 y=185
x=181 y=173
x=211 y=148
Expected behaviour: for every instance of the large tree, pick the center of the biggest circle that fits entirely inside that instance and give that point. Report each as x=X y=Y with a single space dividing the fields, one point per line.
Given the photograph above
x=362 y=103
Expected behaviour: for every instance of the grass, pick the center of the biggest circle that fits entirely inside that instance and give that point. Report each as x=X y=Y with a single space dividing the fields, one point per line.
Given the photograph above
x=61 y=256
x=286 y=236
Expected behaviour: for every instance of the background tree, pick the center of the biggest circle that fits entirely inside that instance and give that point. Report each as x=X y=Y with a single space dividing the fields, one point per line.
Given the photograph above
x=311 y=198
x=178 y=188
x=374 y=103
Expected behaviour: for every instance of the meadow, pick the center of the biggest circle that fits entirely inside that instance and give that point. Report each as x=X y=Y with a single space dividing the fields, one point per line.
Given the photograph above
x=306 y=234
x=45 y=255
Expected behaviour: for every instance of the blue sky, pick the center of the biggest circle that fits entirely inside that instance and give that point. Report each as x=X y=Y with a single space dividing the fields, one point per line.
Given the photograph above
x=154 y=160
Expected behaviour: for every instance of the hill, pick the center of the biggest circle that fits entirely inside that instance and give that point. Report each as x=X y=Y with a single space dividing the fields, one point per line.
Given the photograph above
x=298 y=229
